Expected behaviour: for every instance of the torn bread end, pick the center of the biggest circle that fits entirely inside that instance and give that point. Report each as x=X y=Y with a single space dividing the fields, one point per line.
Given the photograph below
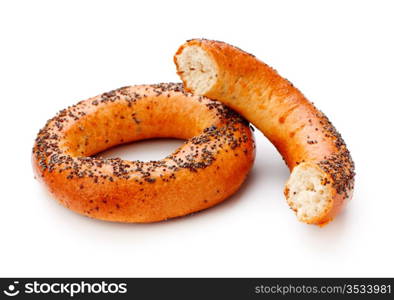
x=197 y=69
x=308 y=192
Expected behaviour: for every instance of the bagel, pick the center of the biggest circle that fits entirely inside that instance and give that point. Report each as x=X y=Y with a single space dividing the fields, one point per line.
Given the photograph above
x=209 y=167
x=322 y=170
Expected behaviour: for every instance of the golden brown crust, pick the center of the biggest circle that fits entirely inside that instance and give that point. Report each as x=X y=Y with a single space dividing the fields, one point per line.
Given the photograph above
x=294 y=125
x=208 y=168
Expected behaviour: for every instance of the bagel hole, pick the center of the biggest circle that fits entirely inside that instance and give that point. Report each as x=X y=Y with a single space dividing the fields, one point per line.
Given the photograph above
x=145 y=150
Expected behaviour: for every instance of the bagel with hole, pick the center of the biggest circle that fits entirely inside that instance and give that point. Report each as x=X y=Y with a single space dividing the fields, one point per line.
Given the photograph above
x=322 y=170
x=209 y=167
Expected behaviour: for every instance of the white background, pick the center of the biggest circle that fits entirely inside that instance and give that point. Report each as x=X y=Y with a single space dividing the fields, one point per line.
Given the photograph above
x=338 y=53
